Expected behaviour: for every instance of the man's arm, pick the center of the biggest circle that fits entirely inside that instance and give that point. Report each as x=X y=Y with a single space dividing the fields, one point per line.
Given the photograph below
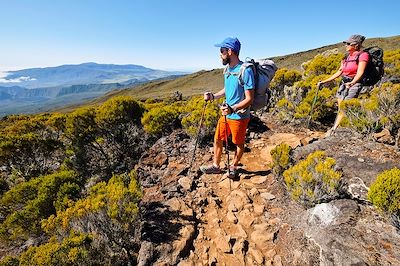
x=211 y=96
x=246 y=102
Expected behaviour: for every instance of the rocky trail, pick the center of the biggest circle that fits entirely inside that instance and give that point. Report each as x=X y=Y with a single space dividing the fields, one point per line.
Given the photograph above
x=193 y=219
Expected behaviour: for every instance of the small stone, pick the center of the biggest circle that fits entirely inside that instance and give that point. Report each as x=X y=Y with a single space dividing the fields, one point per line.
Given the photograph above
x=277 y=260
x=257 y=255
x=267 y=196
x=231 y=217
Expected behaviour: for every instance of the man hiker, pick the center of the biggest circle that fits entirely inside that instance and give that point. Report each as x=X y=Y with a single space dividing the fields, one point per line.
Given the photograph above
x=236 y=112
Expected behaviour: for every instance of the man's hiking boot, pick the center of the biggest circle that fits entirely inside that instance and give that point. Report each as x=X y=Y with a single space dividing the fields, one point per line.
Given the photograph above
x=210 y=169
x=233 y=172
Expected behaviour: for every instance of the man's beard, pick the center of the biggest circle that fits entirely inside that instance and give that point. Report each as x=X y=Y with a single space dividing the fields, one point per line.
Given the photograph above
x=226 y=61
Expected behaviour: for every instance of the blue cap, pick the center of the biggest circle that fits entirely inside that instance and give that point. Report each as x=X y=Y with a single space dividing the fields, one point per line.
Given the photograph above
x=232 y=43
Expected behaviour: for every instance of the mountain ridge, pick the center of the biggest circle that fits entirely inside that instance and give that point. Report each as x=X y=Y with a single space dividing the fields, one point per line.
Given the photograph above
x=211 y=80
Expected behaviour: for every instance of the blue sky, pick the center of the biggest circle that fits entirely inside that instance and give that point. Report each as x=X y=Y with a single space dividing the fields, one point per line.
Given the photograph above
x=179 y=34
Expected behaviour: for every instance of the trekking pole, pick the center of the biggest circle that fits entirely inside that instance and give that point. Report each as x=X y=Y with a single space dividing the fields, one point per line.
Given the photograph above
x=313 y=104
x=197 y=137
x=227 y=153
x=226 y=144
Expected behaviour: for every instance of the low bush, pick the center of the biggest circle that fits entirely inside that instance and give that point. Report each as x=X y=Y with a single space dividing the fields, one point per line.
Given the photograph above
x=281 y=158
x=384 y=193
x=381 y=110
x=162 y=119
x=193 y=112
x=313 y=180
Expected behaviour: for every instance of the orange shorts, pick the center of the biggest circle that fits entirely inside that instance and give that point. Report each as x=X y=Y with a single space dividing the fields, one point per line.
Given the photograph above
x=235 y=127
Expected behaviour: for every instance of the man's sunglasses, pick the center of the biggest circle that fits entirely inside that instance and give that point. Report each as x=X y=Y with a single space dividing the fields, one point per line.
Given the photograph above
x=223 y=50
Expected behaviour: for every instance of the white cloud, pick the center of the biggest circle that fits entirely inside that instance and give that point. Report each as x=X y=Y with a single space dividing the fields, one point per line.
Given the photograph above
x=16 y=80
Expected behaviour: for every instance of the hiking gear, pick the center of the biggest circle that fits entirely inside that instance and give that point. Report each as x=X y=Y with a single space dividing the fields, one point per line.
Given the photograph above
x=232 y=172
x=226 y=142
x=263 y=70
x=319 y=85
x=375 y=66
x=210 y=169
x=231 y=43
x=197 y=136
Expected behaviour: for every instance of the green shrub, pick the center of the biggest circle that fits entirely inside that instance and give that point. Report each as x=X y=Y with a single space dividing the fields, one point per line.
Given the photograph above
x=161 y=120
x=118 y=110
x=381 y=110
x=313 y=180
x=384 y=193
x=281 y=158
x=392 y=63
x=322 y=64
x=9 y=261
x=283 y=77
x=73 y=250
x=26 y=204
x=192 y=114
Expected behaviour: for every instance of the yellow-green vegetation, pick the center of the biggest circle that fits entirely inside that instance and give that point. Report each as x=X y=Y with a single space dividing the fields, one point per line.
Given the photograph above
x=114 y=201
x=381 y=110
x=313 y=180
x=162 y=118
x=50 y=161
x=193 y=111
x=281 y=158
x=27 y=203
x=108 y=212
x=27 y=143
x=119 y=110
x=73 y=250
x=391 y=59
x=384 y=193
x=300 y=93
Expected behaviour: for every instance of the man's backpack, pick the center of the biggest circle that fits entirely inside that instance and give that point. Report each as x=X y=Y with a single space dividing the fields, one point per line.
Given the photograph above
x=375 y=68
x=264 y=70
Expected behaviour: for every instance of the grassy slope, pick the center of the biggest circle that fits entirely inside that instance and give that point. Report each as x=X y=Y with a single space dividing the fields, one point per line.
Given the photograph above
x=197 y=83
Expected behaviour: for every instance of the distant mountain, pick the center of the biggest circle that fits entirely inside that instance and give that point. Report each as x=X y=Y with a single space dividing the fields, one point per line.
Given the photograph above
x=197 y=83
x=40 y=89
x=87 y=73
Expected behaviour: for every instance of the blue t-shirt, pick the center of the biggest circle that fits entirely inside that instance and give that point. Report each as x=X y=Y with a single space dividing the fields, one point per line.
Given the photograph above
x=234 y=93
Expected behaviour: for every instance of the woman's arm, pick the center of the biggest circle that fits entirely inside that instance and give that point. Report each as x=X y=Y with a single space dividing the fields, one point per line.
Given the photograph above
x=360 y=72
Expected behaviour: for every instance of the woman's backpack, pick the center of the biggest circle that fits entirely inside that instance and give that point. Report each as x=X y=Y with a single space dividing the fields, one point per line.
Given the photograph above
x=375 y=67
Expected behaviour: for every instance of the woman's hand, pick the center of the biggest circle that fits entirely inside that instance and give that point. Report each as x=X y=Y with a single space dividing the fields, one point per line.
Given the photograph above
x=349 y=84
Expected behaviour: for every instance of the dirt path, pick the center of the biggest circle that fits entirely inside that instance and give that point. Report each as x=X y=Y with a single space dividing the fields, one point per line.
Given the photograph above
x=240 y=222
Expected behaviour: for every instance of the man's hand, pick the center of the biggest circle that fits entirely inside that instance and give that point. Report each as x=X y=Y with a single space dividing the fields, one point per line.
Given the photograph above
x=226 y=109
x=208 y=96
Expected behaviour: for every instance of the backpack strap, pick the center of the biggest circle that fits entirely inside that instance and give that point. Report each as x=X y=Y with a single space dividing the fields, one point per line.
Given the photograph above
x=239 y=74
x=358 y=56
x=249 y=63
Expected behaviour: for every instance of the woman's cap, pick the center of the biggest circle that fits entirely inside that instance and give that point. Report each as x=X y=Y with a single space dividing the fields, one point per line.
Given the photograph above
x=355 y=39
